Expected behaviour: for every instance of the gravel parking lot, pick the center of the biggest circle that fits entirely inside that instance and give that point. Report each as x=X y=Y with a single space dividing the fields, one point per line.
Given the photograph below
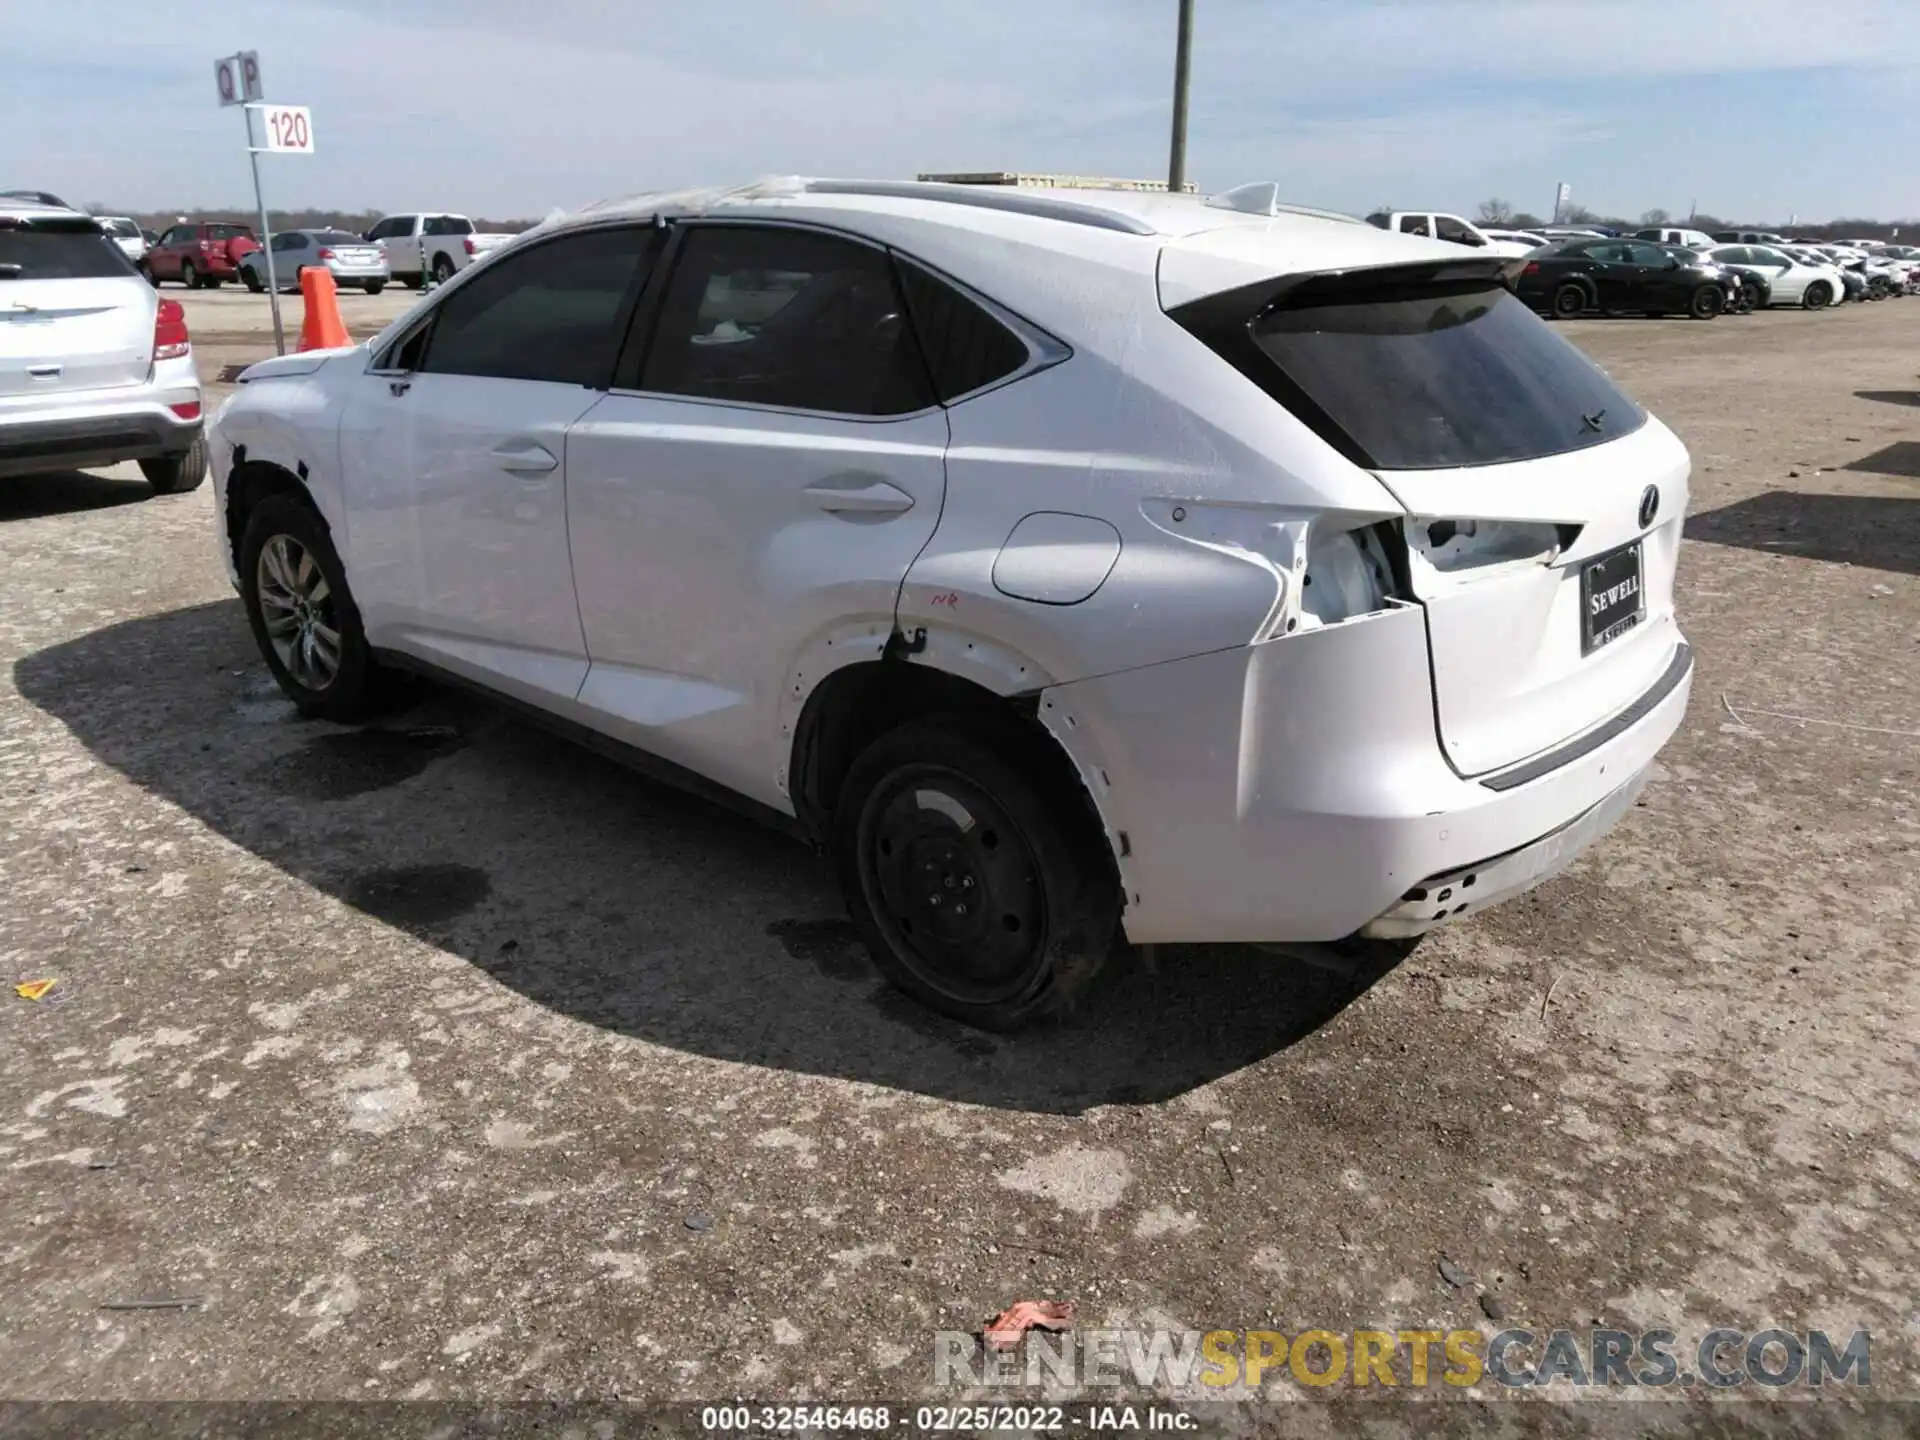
x=445 y=1060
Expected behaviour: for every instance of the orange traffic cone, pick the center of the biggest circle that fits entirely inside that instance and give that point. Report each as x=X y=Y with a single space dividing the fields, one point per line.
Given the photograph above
x=322 y=329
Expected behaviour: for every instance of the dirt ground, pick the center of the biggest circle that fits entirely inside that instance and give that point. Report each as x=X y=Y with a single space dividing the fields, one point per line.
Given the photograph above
x=444 y=1060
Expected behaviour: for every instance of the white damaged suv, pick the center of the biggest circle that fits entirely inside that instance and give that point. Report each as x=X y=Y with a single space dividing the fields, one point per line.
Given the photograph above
x=1067 y=563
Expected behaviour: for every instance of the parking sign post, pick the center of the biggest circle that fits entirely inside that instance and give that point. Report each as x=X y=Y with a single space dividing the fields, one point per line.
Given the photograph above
x=285 y=128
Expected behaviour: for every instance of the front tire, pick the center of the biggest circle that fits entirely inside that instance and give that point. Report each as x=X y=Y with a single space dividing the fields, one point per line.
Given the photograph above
x=177 y=474
x=977 y=876
x=252 y=279
x=189 y=275
x=1569 y=302
x=1707 y=302
x=1819 y=295
x=303 y=616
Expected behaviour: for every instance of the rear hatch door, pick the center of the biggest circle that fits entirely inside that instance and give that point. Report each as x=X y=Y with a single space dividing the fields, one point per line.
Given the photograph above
x=74 y=314
x=1544 y=506
x=1549 y=602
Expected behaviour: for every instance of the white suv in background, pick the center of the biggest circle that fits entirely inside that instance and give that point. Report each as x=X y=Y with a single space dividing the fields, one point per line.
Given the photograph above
x=1064 y=562
x=95 y=368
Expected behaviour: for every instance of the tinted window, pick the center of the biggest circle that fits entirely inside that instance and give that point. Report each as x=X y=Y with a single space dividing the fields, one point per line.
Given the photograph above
x=448 y=225
x=1415 y=225
x=1449 y=228
x=288 y=242
x=125 y=229
x=965 y=347
x=176 y=236
x=1423 y=376
x=549 y=313
x=789 y=318
x=336 y=237
x=73 y=249
x=228 y=232
x=1650 y=255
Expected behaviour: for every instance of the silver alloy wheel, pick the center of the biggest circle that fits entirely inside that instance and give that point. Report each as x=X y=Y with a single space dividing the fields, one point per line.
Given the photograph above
x=296 y=604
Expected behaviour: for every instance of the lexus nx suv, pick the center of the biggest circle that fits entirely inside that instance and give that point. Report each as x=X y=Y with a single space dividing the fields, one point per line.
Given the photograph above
x=1067 y=564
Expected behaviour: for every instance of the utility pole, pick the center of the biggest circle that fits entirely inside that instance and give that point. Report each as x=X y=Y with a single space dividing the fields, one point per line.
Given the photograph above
x=1182 y=64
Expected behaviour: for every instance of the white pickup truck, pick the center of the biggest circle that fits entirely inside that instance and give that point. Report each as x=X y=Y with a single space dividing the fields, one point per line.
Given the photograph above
x=430 y=244
x=1446 y=227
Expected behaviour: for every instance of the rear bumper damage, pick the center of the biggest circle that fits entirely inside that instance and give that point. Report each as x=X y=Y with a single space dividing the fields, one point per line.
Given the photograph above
x=1295 y=790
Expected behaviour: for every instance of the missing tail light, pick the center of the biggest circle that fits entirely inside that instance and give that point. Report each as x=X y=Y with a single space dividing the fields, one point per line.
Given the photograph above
x=1452 y=547
x=170 y=331
x=1349 y=573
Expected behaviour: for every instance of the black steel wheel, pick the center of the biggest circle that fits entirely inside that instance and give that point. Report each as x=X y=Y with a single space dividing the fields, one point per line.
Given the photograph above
x=976 y=877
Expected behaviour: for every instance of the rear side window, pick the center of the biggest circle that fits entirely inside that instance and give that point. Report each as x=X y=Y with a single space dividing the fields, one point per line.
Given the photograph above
x=75 y=249
x=1435 y=375
x=966 y=348
x=448 y=225
x=776 y=316
x=553 y=312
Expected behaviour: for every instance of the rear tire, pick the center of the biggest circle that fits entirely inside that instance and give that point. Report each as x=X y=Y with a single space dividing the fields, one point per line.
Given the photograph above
x=1819 y=295
x=177 y=474
x=1569 y=302
x=374 y=287
x=1707 y=302
x=949 y=814
x=355 y=686
x=442 y=269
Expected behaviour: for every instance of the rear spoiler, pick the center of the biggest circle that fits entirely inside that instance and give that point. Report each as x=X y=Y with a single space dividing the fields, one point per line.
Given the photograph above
x=1246 y=303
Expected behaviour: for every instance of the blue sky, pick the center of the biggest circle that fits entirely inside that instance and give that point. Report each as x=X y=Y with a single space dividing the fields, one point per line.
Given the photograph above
x=1756 y=109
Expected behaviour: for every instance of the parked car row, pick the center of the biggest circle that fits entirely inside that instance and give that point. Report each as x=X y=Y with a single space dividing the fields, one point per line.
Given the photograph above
x=207 y=254
x=1685 y=272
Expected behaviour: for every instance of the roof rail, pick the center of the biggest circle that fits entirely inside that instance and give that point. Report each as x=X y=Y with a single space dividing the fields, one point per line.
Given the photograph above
x=989 y=197
x=1262 y=197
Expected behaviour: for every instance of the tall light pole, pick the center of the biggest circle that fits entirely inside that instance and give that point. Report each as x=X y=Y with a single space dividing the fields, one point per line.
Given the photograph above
x=1182 y=63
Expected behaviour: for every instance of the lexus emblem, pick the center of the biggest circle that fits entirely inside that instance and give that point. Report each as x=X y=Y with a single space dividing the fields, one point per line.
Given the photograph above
x=1649 y=505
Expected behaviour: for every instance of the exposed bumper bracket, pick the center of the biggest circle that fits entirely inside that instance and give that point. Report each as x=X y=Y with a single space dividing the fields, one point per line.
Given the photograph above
x=1474 y=887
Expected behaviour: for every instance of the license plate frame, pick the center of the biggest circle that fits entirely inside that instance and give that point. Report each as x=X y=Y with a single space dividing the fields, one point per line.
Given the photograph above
x=1601 y=625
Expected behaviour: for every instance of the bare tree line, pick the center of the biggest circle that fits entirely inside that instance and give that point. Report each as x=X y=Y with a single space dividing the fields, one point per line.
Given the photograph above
x=1500 y=213
x=356 y=222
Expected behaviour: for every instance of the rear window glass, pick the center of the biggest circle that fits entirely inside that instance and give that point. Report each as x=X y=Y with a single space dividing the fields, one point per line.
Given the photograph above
x=966 y=348
x=337 y=237
x=1419 y=379
x=59 y=250
x=229 y=232
x=124 y=228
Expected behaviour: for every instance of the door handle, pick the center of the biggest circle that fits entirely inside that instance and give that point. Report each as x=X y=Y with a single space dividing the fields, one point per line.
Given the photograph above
x=877 y=498
x=525 y=458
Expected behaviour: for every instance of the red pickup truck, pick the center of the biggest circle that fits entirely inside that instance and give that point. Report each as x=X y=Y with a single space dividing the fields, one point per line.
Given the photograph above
x=199 y=256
